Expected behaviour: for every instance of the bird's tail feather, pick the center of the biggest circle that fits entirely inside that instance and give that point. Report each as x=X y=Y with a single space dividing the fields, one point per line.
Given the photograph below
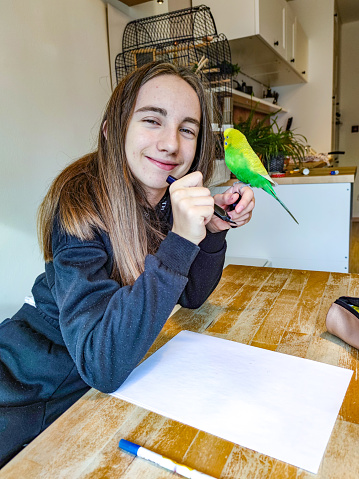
x=276 y=197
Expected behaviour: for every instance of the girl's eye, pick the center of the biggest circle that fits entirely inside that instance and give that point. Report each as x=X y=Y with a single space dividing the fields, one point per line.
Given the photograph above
x=151 y=121
x=188 y=132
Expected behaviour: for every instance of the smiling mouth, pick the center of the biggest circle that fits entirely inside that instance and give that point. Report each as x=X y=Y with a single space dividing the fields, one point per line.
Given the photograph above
x=163 y=165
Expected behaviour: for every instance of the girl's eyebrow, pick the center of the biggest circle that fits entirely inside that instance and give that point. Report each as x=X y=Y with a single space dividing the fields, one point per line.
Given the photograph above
x=189 y=119
x=155 y=109
x=163 y=112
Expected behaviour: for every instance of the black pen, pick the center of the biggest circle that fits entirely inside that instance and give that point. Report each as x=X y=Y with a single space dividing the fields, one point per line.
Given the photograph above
x=218 y=211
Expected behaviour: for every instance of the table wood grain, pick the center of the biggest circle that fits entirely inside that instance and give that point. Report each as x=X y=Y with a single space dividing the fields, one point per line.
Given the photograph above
x=278 y=309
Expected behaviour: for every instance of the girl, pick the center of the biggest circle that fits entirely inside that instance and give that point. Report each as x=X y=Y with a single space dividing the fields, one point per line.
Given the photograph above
x=121 y=250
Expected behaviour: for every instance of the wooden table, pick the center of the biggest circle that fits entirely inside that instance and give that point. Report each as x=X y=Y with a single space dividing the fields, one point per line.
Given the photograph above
x=278 y=309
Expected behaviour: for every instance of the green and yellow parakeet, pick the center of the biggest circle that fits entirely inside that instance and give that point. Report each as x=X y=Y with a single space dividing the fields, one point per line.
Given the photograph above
x=245 y=164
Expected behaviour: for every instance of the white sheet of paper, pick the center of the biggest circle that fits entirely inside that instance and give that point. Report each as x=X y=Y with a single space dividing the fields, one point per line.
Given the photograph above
x=276 y=404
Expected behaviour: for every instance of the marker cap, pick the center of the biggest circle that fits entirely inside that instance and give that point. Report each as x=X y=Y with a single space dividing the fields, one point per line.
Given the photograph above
x=171 y=179
x=129 y=446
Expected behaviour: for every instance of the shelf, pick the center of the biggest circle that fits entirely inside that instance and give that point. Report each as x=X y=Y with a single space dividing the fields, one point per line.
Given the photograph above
x=247 y=101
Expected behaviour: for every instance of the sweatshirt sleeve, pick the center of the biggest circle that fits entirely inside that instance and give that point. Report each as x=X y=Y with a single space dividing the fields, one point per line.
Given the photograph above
x=205 y=271
x=108 y=328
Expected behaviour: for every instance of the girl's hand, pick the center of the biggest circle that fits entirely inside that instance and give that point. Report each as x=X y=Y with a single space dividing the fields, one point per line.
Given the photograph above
x=242 y=213
x=192 y=207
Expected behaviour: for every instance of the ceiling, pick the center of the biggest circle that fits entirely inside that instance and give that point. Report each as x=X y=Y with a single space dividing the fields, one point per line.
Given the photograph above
x=348 y=10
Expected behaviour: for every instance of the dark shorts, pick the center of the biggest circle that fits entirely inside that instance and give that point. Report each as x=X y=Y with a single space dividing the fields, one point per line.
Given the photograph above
x=38 y=379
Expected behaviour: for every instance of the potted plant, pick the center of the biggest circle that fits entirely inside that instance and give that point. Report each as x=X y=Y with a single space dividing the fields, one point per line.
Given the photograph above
x=229 y=68
x=271 y=142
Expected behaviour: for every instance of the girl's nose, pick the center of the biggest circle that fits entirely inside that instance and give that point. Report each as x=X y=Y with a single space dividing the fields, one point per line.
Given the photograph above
x=168 y=140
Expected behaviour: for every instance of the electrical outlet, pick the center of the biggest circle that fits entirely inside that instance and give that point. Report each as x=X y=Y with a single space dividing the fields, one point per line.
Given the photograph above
x=358 y=198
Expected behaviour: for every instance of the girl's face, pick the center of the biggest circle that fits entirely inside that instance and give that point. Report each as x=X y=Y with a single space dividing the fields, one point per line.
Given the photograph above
x=162 y=133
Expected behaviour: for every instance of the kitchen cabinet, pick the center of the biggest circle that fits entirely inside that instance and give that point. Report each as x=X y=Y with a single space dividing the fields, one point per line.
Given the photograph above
x=297 y=44
x=242 y=18
x=262 y=43
x=290 y=19
x=271 y=24
x=234 y=18
x=300 y=50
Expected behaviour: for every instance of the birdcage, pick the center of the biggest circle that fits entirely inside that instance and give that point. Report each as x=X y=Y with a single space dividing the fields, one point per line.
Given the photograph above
x=186 y=37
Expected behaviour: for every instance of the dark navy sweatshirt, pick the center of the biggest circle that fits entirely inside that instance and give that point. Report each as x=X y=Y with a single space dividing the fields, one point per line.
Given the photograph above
x=108 y=328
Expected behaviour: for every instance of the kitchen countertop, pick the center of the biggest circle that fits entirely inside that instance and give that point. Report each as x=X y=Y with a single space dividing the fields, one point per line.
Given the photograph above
x=316 y=175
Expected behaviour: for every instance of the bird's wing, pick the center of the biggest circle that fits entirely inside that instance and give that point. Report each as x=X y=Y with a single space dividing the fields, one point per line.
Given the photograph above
x=256 y=165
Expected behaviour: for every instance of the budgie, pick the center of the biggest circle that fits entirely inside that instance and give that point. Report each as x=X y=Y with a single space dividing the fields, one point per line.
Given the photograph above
x=245 y=164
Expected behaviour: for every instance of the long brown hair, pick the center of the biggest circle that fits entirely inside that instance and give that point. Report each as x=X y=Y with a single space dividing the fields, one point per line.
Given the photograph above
x=99 y=191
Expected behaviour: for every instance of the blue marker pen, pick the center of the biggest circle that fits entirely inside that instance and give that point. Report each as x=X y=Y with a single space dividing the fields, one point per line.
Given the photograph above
x=218 y=211
x=162 y=460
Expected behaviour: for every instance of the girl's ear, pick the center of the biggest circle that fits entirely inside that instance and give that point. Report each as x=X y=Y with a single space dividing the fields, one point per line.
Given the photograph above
x=104 y=129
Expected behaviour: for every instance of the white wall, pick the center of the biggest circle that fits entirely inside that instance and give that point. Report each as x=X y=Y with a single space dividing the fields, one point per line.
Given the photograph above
x=310 y=104
x=349 y=102
x=54 y=85
x=117 y=21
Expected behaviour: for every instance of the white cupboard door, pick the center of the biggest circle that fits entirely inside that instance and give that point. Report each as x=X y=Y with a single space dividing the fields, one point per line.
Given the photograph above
x=301 y=50
x=272 y=24
x=290 y=35
x=234 y=18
